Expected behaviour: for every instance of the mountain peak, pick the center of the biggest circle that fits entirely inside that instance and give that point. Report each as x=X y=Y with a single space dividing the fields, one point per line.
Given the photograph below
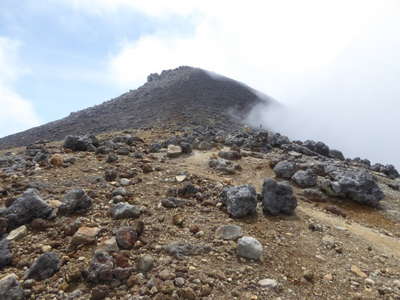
x=185 y=96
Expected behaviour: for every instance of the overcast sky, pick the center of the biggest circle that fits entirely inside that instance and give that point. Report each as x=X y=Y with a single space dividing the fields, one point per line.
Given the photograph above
x=334 y=64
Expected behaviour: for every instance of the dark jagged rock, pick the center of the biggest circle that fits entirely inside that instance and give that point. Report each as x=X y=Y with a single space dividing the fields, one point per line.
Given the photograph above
x=75 y=201
x=240 y=201
x=317 y=147
x=285 y=169
x=44 y=266
x=388 y=170
x=81 y=143
x=173 y=97
x=278 y=198
x=124 y=211
x=26 y=208
x=359 y=186
x=305 y=179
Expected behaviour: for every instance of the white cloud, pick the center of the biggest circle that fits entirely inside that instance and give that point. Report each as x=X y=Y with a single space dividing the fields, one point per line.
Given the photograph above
x=272 y=38
x=333 y=63
x=16 y=113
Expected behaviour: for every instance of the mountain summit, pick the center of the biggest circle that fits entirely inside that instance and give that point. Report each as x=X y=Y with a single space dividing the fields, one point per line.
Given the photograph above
x=183 y=96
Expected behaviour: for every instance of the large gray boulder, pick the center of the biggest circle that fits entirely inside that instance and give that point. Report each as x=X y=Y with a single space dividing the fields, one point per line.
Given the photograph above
x=388 y=170
x=359 y=186
x=278 y=198
x=305 y=179
x=285 y=169
x=26 y=208
x=317 y=147
x=240 y=201
x=81 y=143
x=10 y=289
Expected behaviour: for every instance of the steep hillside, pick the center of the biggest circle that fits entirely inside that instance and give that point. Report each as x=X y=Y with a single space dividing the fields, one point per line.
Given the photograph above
x=183 y=96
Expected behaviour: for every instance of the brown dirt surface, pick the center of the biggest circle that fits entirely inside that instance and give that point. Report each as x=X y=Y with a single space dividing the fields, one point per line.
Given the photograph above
x=306 y=264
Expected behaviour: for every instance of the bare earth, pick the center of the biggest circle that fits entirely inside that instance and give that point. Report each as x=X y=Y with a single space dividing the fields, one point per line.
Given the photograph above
x=307 y=264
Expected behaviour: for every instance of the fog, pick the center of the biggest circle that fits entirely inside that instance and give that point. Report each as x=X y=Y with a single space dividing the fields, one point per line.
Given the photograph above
x=353 y=105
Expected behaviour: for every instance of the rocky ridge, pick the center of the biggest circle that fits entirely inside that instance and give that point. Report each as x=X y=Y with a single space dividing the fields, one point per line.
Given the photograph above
x=184 y=96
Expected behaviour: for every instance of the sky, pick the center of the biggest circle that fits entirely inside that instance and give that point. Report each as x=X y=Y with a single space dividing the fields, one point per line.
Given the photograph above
x=334 y=65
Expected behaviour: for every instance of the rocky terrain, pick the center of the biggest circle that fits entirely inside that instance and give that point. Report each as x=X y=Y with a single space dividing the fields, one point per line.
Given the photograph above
x=196 y=214
x=177 y=199
x=184 y=95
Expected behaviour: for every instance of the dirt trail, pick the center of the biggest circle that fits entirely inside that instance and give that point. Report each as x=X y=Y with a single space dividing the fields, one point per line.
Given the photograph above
x=255 y=170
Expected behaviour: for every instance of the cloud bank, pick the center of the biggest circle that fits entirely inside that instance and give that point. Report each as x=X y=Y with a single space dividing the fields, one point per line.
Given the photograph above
x=16 y=113
x=333 y=65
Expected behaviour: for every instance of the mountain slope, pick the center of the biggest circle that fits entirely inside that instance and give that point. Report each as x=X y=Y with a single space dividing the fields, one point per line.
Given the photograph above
x=183 y=96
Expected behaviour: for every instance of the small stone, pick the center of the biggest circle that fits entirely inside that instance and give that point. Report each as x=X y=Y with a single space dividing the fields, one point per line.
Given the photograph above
x=187 y=294
x=108 y=245
x=126 y=237
x=17 y=233
x=194 y=228
x=39 y=224
x=356 y=270
x=85 y=236
x=46 y=248
x=308 y=275
x=145 y=263
x=179 y=281
x=166 y=275
x=328 y=277
x=99 y=293
x=44 y=267
x=180 y=178
x=268 y=283
x=369 y=282
x=249 y=247
x=119 y=192
x=174 y=151
x=125 y=182
x=228 y=232
x=123 y=210
x=173 y=202
x=178 y=220
x=56 y=160
x=180 y=249
x=10 y=288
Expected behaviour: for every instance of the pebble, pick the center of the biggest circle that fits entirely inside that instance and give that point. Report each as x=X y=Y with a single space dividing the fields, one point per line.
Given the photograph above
x=145 y=263
x=268 y=283
x=228 y=232
x=179 y=282
x=85 y=236
x=125 y=182
x=356 y=270
x=249 y=247
x=17 y=233
x=166 y=275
